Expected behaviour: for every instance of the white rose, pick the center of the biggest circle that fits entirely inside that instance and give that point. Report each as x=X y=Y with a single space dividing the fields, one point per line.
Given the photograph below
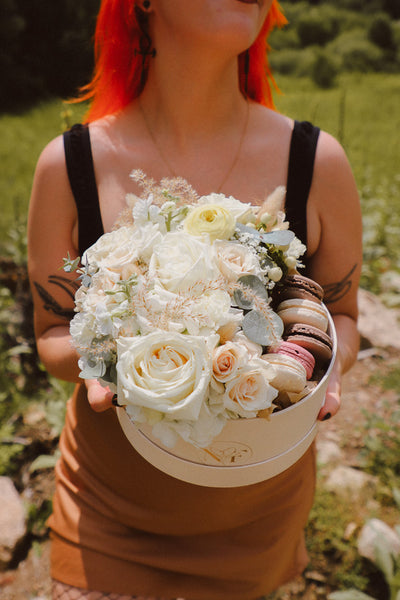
x=180 y=261
x=234 y=260
x=241 y=212
x=250 y=391
x=164 y=371
x=200 y=432
x=119 y=250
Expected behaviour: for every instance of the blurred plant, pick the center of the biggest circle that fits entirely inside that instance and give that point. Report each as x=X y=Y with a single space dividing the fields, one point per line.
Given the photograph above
x=381 y=444
x=381 y=232
x=380 y=544
x=326 y=537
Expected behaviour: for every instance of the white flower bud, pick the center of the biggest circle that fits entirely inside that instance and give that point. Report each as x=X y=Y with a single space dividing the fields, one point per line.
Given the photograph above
x=266 y=219
x=291 y=262
x=275 y=274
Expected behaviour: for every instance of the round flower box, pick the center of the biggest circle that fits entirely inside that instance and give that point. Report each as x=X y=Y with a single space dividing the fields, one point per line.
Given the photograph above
x=247 y=451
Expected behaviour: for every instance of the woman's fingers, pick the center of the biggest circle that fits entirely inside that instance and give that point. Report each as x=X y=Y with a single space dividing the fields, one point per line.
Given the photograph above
x=100 y=398
x=332 y=397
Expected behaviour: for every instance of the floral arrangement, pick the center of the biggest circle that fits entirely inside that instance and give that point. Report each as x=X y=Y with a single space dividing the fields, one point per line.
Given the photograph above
x=174 y=308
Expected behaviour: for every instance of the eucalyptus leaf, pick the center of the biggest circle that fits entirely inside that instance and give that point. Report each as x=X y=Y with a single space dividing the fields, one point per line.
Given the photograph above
x=261 y=331
x=250 y=230
x=352 y=594
x=278 y=238
x=256 y=286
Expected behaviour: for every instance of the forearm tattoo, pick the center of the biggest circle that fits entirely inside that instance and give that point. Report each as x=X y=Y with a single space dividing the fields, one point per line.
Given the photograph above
x=336 y=291
x=49 y=302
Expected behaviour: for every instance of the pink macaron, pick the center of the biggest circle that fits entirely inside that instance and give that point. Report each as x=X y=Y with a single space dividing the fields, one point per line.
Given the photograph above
x=299 y=353
x=317 y=342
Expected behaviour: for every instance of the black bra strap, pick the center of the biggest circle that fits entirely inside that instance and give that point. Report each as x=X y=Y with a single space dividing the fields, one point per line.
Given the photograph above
x=300 y=172
x=79 y=161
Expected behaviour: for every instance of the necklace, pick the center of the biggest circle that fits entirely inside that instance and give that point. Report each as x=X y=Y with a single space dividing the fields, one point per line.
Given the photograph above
x=168 y=164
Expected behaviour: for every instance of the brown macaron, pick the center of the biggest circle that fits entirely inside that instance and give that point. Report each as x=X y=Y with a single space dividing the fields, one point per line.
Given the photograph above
x=299 y=286
x=312 y=339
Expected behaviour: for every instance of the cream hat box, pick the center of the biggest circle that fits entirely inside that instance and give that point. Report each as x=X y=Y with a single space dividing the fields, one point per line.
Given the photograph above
x=247 y=451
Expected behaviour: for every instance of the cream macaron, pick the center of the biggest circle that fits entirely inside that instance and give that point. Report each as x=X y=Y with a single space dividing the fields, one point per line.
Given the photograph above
x=299 y=310
x=290 y=375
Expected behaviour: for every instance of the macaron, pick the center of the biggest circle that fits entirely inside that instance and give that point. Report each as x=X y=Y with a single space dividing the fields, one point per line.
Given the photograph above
x=299 y=353
x=298 y=310
x=312 y=339
x=290 y=375
x=299 y=286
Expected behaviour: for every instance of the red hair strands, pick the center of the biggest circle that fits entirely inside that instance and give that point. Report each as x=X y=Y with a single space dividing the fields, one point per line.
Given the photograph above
x=118 y=65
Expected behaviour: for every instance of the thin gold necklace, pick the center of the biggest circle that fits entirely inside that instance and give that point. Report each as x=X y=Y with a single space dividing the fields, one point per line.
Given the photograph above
x=168 y=164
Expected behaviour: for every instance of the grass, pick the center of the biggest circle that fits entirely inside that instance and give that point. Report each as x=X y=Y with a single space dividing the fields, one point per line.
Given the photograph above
x=363 y=112
x=23 y=138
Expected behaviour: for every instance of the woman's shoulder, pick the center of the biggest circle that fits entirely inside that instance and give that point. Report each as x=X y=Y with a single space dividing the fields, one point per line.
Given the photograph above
x=52 y=155
x=333 y=174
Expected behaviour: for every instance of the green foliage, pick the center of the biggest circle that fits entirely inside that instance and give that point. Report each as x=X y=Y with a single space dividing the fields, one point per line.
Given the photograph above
x=324 y=70
x=380 y=32
x=318 y=26
x=291 y=61
x=356 y=53
x=359 y=36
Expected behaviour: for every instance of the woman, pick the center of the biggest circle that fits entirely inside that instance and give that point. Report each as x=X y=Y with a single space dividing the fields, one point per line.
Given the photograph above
x=168 y=98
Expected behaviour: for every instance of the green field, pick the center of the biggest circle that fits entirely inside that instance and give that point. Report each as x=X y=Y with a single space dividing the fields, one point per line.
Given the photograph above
x=362 y=111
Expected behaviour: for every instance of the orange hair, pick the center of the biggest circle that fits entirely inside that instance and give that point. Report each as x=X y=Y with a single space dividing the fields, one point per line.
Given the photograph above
x=117 y=77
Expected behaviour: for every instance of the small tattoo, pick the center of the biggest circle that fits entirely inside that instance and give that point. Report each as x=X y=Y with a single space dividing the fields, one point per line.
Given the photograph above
x=49 y=303
x=336 y=291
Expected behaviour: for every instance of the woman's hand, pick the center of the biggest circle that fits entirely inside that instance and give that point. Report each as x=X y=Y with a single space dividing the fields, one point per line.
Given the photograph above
x=100 y=398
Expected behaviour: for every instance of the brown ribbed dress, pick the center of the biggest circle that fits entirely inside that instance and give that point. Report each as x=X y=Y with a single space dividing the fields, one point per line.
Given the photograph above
x=120 y=525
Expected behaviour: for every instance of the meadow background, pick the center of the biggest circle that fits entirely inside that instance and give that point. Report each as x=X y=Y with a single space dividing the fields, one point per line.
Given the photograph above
x=337 y=65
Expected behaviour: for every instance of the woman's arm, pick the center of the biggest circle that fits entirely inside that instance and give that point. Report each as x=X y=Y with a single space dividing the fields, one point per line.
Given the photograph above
x=335 y=253
x=52 y=225
x=52 y=234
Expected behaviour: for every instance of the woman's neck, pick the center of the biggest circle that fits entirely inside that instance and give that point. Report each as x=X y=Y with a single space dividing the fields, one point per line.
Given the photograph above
x=190 y=99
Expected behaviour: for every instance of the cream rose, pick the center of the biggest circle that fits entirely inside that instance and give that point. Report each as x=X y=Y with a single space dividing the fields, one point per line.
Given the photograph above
x=234 y=260
x=164 y=371
x=212 y=219
x=250 y=391
x=180 y=261
x=242 y=213
x=227 y=359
